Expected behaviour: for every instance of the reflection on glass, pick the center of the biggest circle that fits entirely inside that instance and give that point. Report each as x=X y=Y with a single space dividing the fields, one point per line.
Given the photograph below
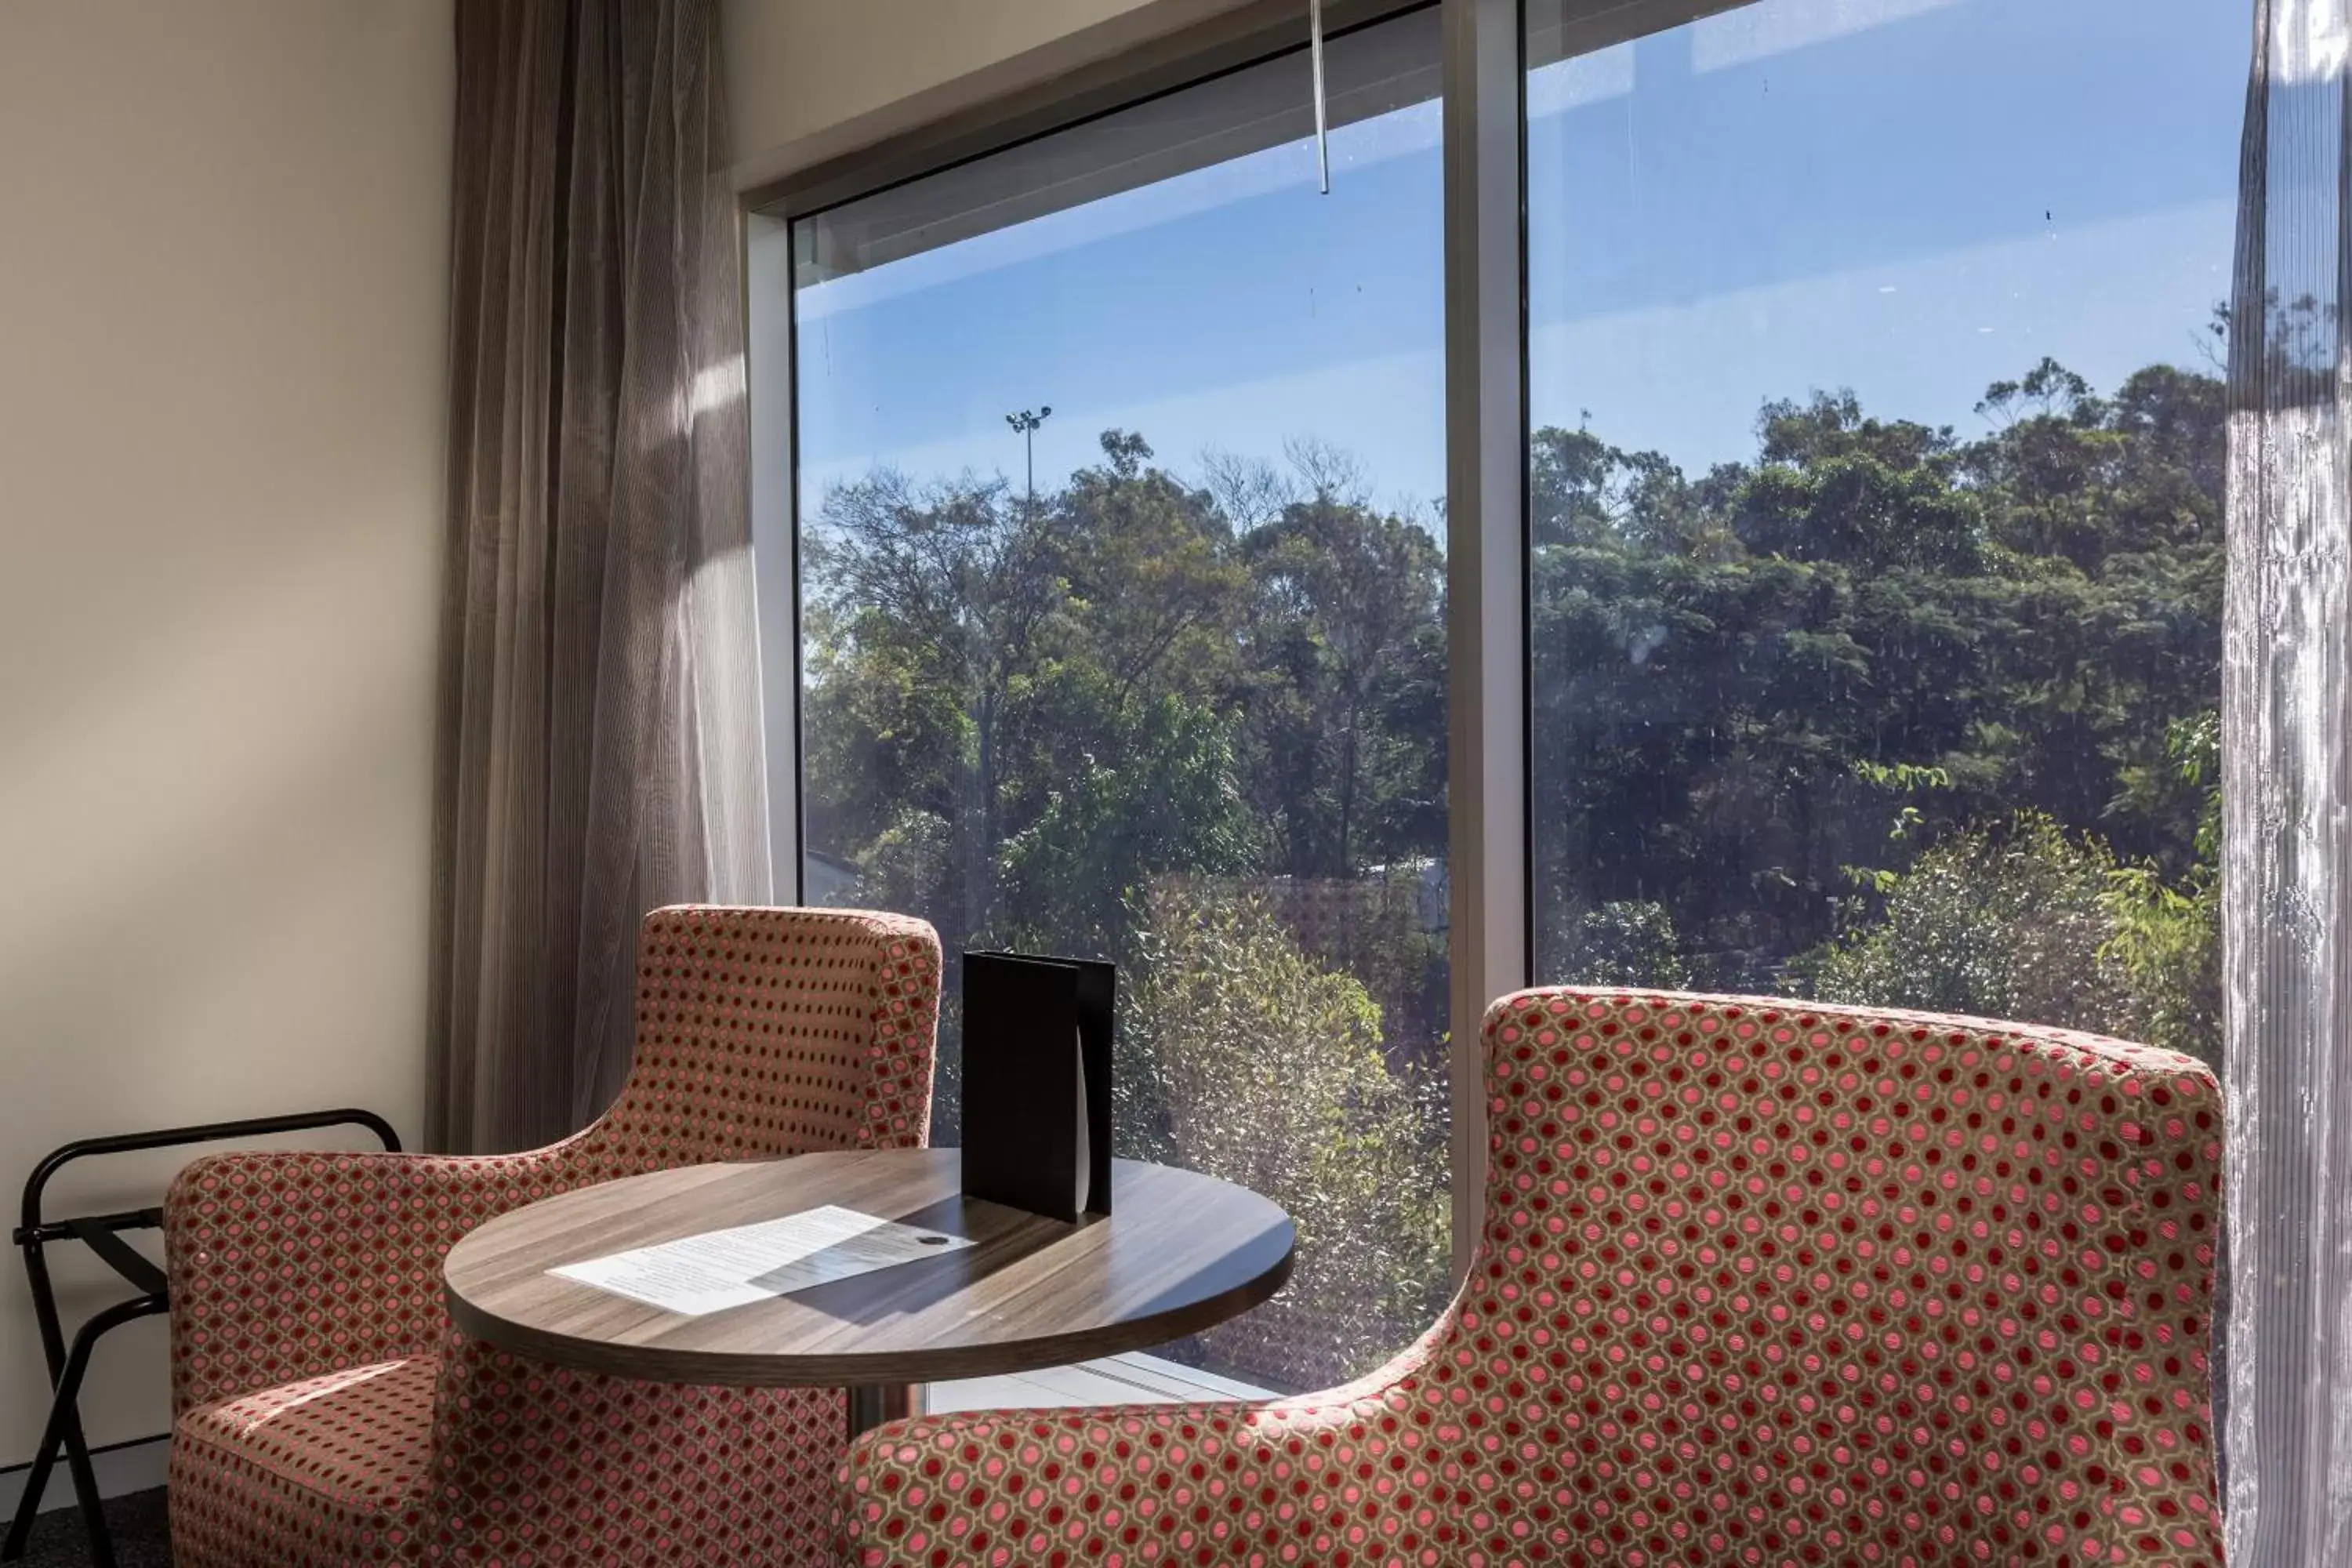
x=1123 y=633
x=1876 y=503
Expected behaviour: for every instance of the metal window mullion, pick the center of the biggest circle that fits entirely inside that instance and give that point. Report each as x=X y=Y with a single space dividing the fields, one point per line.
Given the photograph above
x=1485 y=398
x=772 y=369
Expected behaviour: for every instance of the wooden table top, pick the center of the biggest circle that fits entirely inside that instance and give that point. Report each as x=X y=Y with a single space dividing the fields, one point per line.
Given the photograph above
x=1180 y=1252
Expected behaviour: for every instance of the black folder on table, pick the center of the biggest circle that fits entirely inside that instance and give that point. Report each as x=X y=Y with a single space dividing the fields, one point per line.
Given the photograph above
x=1036 y=1082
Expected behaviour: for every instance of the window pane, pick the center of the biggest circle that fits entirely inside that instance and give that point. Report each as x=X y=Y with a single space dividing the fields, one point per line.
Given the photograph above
x=1123 y=633
x=1876 y=502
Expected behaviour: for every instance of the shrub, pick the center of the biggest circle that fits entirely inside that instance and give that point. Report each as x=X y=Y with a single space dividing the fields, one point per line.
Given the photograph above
x=1622 y=942
x=2004 y=922
x=1244 y=1058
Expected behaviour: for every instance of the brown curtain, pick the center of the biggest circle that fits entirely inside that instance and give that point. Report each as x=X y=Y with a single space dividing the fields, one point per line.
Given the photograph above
x=600 y=742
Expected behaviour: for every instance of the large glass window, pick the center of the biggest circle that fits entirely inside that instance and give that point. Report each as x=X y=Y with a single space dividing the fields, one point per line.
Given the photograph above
x=1876 y=494
x=1119 y=456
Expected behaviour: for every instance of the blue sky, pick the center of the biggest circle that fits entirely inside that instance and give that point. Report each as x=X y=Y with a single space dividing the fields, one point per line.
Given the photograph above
x=1909 y=198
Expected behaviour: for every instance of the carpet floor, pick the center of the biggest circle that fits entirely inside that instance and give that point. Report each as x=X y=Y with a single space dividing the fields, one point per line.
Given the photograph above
x=143 y=1536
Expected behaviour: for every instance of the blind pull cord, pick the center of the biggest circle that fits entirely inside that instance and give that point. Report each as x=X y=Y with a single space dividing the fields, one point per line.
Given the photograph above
x=1322 y=125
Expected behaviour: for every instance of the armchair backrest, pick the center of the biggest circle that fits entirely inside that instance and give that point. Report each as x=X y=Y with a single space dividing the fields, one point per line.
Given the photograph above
x=763 y=1031
x=1765 y=1277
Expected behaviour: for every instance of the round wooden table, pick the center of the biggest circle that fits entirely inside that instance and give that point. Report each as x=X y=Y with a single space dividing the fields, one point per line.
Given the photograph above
x=1179 y=1252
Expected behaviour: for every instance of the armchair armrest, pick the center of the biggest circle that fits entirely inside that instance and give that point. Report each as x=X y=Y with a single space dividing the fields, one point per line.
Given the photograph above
x=285 y=1264
x=1346 y=1473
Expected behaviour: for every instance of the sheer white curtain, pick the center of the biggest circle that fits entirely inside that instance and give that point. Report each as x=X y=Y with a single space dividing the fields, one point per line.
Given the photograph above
x=2287 y=858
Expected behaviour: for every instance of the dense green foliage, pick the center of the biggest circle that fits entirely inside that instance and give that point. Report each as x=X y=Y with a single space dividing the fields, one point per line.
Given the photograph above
x=1763 y=695
x=1883 y=714
x=1247 y=1059
x=2009 y=922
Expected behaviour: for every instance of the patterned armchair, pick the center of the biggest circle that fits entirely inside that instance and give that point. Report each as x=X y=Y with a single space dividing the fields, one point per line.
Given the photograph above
x=1759 y=1283
x=325 y=1413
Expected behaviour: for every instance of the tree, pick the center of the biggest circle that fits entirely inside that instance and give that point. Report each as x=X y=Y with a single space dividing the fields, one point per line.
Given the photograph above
x=1345 y=640
x=927 y=594
x=2027 y=612
x=1163 y=801
x=1155 y=588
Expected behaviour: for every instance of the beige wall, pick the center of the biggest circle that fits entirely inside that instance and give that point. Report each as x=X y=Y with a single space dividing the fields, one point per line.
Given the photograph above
x=809 y=80
x=222 y=337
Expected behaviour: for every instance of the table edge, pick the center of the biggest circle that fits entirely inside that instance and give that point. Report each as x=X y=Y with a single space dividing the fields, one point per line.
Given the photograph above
x=722 y=1368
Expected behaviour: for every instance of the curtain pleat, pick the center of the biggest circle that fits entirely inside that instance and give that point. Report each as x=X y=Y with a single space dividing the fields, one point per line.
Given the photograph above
x=601 y=749
x=2287 y=756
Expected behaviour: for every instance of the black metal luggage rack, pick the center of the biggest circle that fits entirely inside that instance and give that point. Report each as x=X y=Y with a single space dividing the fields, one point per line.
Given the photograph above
x=103 y=1234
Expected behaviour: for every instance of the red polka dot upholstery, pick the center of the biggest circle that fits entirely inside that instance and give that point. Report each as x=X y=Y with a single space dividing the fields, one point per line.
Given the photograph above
x=327 y=1415
x=358 y=1438
x=1760 y=1284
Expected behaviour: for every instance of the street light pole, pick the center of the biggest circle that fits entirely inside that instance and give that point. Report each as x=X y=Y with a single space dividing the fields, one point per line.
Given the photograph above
x=1026 y=422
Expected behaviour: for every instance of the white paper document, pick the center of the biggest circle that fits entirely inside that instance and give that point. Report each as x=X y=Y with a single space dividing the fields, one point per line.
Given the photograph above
x=695 y=1275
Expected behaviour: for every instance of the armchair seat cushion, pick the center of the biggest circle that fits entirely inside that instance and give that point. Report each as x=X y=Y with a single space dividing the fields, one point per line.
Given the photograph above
x=550 y=1468
x=328 y=1468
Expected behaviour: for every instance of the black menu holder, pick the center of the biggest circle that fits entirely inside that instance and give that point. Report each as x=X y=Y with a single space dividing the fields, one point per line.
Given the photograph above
x=1036 y=1082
